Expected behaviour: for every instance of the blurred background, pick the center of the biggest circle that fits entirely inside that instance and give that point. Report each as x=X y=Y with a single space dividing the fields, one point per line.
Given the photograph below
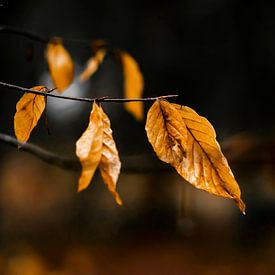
x=219 y=55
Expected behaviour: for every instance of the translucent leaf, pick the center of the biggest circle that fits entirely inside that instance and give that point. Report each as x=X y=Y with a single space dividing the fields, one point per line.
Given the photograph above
x=28 y=111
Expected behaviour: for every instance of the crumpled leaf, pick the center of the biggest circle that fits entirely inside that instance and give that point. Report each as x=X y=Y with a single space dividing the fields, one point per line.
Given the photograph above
x=28 y=111
x=96 y=148
x=89 y=147
x=203 y=163
x=93 y=64
x=133 y=85
x=109 y=165
x=60 y=64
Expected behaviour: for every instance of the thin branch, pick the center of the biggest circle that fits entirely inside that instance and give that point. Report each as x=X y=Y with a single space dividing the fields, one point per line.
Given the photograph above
x=131 y=164
x=28 y=34
x=152 y=164
x=40 y=38
x=48 y=91
x=46 y=156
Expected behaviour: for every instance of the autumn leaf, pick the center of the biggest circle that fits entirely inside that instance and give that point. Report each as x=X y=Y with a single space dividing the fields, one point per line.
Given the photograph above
x=28 y=111
x=60 y=64
x=166 y=132
x=133 y=84
x=96 y=148
x=109 y=165
x=93 y=64
x=89 y=147
x=201 y=161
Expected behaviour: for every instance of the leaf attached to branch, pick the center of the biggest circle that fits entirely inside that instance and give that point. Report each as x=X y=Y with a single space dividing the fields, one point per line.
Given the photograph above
x=109 y=165
x=133 y=85
x=60 y=64
x=96 y=148
x=28 y=111
x=200 y=160
x=166 y=132
x=89 y=148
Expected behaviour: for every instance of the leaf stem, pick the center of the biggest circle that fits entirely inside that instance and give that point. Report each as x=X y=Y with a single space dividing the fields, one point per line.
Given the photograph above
x=48 y=91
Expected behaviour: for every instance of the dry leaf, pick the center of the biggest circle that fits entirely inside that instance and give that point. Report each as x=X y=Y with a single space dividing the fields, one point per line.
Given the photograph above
x=28 y=111
x=96 y=148
x=109 y=164
x=202 y=163
x=166 y=132
x=92 y=65
x=60 y=64
x=89 y=147
x=133 y=85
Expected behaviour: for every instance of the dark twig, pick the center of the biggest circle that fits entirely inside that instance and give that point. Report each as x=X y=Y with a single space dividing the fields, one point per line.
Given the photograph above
x=85 y=99
x=40 y=38
x=29 y=34
x=130 y=163
x=49 y=157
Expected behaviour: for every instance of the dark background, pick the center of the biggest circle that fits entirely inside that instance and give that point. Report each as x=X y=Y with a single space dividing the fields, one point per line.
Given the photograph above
x=219 y=56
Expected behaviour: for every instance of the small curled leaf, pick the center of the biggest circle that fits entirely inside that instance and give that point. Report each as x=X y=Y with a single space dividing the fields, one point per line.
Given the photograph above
x=93 y=65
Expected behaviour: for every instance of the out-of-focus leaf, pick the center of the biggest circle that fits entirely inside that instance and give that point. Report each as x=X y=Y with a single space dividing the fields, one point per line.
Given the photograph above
x=96 y=148
x=199 y=159
x=109 y=165
x=60 y=64
x=93 y=64
x=133 y=85
x=28 y=111
x=89 y=147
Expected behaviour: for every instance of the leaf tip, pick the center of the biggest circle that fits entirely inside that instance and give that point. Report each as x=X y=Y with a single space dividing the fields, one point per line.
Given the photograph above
x=81 y=186
x=241 y=205
x=118 y=199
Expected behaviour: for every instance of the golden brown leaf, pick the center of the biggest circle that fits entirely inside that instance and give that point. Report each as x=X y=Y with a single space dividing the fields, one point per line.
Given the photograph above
x=93 y=64
x=28 y=111
x=60 y=64
x=166 y=132
x=96 y=147
x=109 y=165
x=89 y=147
x=133 y=85
x=202 y=163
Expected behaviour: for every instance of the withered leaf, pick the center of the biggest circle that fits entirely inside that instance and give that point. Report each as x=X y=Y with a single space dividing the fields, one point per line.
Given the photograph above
x=133 y=85
x=166 y=132
x=93 y=64
x=60 y=64
x=89 y=147
x=28 y=111
x=96 y=148
x=202 y=163
x=109 y=165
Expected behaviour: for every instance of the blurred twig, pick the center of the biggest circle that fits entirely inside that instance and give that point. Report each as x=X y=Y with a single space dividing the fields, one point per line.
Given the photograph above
x=49 y=157
x=152 y=164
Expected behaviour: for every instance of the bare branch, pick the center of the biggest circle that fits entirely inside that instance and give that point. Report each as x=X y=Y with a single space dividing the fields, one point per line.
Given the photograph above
x=25 y=33
x=131 y=163
x=49 y=157
x=47 y=93
x=40 y=38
